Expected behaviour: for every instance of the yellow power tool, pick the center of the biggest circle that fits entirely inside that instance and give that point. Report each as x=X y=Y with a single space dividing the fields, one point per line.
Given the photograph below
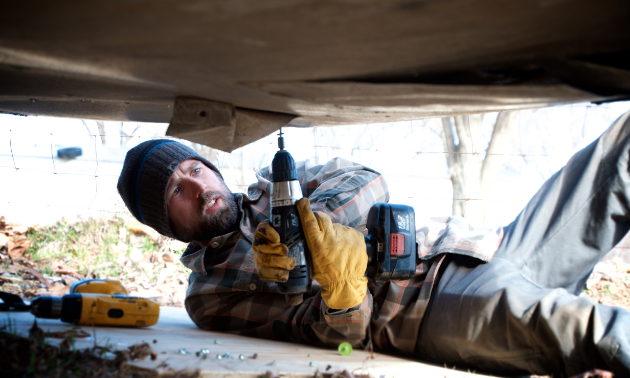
x=92 y=302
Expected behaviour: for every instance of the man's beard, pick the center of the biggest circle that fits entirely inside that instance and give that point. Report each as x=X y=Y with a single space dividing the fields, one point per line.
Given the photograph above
x=215 y=224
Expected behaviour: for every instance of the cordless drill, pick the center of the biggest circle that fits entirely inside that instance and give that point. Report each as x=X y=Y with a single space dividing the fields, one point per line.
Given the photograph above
x=285 y=220
x=96 y=302
x=390 y=242
x=98 y=310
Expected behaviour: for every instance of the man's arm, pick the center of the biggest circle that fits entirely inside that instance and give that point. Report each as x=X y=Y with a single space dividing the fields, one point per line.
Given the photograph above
x=345 y=191
x=267 y=315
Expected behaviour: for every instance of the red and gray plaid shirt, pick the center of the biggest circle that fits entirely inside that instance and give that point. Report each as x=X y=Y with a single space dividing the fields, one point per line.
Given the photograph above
x=226 y=294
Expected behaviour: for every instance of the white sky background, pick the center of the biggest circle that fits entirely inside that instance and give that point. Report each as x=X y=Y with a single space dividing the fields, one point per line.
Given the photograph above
x=409 y=154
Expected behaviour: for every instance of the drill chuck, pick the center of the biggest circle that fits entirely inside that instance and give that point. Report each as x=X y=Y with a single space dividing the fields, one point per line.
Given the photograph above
x=47 y=307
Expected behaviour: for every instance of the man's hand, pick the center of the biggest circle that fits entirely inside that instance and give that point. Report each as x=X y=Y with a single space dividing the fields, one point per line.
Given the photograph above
x=339 y=258
x=270 y=256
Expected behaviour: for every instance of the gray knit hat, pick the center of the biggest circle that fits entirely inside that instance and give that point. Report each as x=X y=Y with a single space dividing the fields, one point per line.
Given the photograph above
x=144 y=177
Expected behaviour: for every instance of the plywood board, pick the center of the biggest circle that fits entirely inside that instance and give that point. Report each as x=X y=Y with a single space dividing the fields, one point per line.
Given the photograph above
x=176 y=331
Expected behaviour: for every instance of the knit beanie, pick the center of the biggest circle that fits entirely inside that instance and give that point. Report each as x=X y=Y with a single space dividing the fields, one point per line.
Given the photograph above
x=144 y=177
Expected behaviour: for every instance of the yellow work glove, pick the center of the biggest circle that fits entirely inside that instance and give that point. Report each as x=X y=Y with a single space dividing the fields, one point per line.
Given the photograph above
x=339 y=258
x=270 y=256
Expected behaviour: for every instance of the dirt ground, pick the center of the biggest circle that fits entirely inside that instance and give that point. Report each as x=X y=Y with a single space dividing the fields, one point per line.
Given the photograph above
x=47 y=260
x=609 y=284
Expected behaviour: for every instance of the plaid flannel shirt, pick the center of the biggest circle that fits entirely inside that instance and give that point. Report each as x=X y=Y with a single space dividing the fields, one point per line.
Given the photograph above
x=226 y=294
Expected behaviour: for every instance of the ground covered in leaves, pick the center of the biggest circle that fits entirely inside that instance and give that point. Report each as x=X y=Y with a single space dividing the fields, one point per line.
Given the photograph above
x=36 y=356
x=609 y=284
x=47 y=260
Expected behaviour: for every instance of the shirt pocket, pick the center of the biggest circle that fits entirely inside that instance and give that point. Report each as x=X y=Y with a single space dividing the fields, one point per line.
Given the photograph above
x=247 y=278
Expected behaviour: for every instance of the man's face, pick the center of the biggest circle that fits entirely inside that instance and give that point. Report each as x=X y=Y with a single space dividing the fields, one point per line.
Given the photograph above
x=200 y=205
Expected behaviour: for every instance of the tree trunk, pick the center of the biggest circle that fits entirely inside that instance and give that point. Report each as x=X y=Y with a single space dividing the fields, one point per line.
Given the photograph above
x=101 y=131
x=473 y=172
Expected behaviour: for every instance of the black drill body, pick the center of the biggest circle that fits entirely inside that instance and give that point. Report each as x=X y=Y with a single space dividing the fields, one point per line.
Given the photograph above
x=285 y=220
x=391 y=233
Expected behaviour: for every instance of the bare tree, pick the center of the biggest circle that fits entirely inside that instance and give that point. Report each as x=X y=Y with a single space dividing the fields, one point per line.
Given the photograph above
x=126 y=137
x=101 y=131
x=473 y=172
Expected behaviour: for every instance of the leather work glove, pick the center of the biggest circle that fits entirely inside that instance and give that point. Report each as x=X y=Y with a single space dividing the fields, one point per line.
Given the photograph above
x=270 y=256
x=339 y=258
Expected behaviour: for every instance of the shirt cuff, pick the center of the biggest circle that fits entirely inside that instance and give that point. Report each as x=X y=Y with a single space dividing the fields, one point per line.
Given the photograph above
x=330 y=311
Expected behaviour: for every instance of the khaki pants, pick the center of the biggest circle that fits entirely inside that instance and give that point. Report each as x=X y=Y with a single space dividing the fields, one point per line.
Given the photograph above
x=520 y=312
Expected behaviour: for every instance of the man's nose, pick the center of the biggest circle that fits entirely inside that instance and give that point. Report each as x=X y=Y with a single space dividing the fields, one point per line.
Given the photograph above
x=197 y=187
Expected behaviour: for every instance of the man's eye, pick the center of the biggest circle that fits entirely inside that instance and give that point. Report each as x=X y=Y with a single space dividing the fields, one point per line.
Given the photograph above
x=197 y=170
x=175 y=191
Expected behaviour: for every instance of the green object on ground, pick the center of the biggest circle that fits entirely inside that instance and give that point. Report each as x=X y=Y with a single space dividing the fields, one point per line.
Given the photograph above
x=344 y=349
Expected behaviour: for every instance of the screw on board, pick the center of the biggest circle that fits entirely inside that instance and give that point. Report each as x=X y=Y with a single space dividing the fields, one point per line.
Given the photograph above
x=203 y=353
x=228 y=355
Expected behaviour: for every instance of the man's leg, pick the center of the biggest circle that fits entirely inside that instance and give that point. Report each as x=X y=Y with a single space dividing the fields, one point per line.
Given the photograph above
x=520 y=311
x=490 y=318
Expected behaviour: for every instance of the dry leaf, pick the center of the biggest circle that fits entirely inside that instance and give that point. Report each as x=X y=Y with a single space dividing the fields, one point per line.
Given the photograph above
x=168 y=257
x=35 y=333
x=59 y=290
x=17 y=248
x=152 y=258
x=142 y=229
x=141 y=352
x=12 y=279
x=62 y=269
x=67 y=345
x=34 y=272
x=68 y=280
x=4 y=240
x=19 y=230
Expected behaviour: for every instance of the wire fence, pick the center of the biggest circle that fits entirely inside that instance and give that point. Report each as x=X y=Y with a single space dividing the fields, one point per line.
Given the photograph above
x=411 y=155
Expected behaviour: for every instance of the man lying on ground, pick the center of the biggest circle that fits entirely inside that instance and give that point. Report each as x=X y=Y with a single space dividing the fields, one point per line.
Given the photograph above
x=504 y=302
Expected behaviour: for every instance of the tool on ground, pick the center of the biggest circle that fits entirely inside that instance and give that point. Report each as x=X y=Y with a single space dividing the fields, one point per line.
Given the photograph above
x=89 y=308
x=390 y=242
